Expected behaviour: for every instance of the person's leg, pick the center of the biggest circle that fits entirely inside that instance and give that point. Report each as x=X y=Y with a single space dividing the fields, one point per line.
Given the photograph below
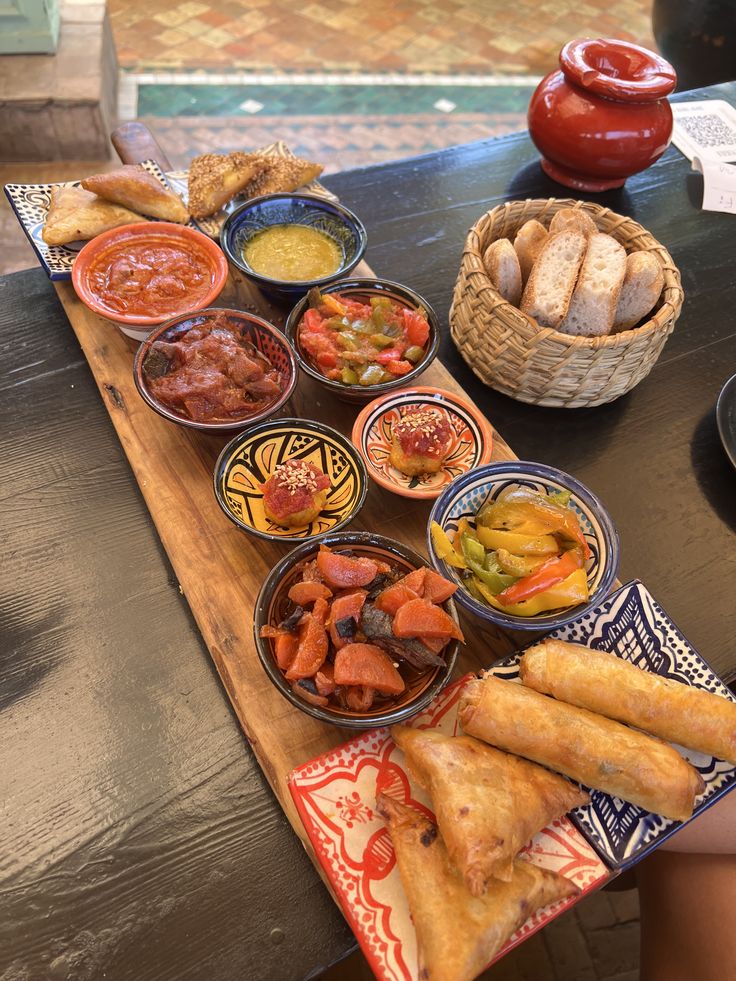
x=688 y=901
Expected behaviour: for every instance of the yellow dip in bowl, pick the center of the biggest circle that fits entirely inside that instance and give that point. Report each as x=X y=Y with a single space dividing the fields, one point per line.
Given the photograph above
x=293 y=253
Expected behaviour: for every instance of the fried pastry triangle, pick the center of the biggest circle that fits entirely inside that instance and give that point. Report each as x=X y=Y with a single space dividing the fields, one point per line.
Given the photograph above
x=458 y=934
x=135 y=188
x=488 y=803
x=215 y=178
x=282 y=174
x=75 y=215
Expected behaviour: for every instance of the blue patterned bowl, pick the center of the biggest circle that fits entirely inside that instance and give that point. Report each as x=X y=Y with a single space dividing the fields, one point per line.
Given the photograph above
x=293 y=209
x=466 y=495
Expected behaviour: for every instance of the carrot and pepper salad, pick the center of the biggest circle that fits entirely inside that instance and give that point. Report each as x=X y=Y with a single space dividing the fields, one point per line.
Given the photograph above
x=357 y=630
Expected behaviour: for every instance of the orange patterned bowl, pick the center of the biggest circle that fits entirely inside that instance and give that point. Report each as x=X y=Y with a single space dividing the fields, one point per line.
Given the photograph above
x=471 y=446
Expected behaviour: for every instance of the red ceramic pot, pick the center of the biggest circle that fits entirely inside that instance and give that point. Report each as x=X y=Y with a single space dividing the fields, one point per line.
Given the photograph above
x=604 y=116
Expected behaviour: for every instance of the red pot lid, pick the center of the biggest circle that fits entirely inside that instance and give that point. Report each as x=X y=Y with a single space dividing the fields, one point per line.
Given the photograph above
x=617 y=70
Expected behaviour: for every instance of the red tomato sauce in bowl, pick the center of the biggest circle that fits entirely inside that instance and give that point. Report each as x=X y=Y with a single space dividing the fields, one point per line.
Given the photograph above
x=149 y=272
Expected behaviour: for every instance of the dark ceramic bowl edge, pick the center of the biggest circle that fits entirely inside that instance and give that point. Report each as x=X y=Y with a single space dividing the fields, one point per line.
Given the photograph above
x=358 y=393
x=389 y=717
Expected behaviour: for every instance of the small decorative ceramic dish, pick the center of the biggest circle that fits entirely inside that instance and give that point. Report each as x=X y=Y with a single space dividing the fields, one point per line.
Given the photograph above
x=30 y=202
x=466 y=495
x=266 y=340
x=470 y=447
x=249 y=460
x=422 y=685
x=340 y=226
x=367 y=291
x=175 y=269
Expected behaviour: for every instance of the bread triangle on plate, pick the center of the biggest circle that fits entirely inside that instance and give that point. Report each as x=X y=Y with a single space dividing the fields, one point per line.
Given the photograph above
x=215 y=178
x=133 y=187
x=488 y=803
x=458 y=934
x=282 y=174
x=75 y=215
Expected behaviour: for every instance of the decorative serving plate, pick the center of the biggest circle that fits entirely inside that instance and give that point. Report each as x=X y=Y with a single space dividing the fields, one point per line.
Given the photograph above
x=250 y=459
x=471 y=446
x=632 y=625
x=30 y=202
x=335 y=794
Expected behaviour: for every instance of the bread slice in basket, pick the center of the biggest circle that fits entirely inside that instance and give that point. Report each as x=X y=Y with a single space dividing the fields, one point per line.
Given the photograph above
x=553 y=277
x=593 y=303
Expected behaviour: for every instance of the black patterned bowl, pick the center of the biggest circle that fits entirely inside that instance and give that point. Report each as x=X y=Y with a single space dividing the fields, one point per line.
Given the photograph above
x=328 y=217
x=265 y=338
x=250 y=459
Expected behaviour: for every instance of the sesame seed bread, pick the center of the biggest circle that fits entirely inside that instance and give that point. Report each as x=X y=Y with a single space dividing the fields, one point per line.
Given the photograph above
x=528 y=244
x=553 y=277
x=282 y=174
x=640 y=291
x=593 y=302
x=502 y=265
x=572 y=218
x=214 y=179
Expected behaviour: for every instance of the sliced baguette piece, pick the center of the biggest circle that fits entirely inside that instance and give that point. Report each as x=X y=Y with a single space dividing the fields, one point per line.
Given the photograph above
x=573 y=218
x=553 y=277
x=641 y=289
x=593 y=303
x=504 y=271
x=528 y=244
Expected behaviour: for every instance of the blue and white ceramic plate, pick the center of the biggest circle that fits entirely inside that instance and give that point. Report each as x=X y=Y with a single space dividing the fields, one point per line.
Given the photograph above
x=632 y=625
x=30 y=202
x=465 y=496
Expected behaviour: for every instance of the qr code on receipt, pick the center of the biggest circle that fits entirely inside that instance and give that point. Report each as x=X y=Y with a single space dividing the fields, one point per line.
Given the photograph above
x=708 y=130
x=705 y=129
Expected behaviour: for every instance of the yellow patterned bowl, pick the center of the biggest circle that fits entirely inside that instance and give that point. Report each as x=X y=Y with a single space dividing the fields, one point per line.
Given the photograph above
x=251 y=458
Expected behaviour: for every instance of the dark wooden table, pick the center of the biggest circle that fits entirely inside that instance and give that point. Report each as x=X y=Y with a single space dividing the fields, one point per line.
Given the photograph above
x=139 y=839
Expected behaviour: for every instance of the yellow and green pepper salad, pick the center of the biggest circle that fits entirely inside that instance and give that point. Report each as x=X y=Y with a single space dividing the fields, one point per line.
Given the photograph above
x=524 y=555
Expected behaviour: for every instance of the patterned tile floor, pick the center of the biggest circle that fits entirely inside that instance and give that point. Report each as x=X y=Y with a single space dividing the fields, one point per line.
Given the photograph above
x=383 y=35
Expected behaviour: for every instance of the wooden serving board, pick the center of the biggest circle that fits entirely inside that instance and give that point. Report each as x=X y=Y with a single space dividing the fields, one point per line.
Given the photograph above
x=220 y=568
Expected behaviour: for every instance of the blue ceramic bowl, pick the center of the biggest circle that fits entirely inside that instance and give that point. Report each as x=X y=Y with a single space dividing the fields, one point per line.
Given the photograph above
x=271 y=606
x=464 y=497
x=293 y=209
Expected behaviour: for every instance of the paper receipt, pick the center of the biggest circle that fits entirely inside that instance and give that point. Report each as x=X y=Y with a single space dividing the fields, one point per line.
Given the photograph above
x=706 y=133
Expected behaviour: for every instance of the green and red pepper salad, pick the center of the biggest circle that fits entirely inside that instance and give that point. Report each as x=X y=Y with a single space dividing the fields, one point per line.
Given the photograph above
x=358 y=343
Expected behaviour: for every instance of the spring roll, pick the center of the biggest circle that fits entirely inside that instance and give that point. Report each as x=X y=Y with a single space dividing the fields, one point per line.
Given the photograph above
x=595 y=751
x=619 y=690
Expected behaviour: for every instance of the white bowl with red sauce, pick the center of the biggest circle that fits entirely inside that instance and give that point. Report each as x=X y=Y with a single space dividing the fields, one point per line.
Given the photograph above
x=141 y=275
x=215 y=370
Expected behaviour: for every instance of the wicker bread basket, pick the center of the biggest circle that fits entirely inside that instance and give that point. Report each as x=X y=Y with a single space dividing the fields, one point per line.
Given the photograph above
x=510 y=352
